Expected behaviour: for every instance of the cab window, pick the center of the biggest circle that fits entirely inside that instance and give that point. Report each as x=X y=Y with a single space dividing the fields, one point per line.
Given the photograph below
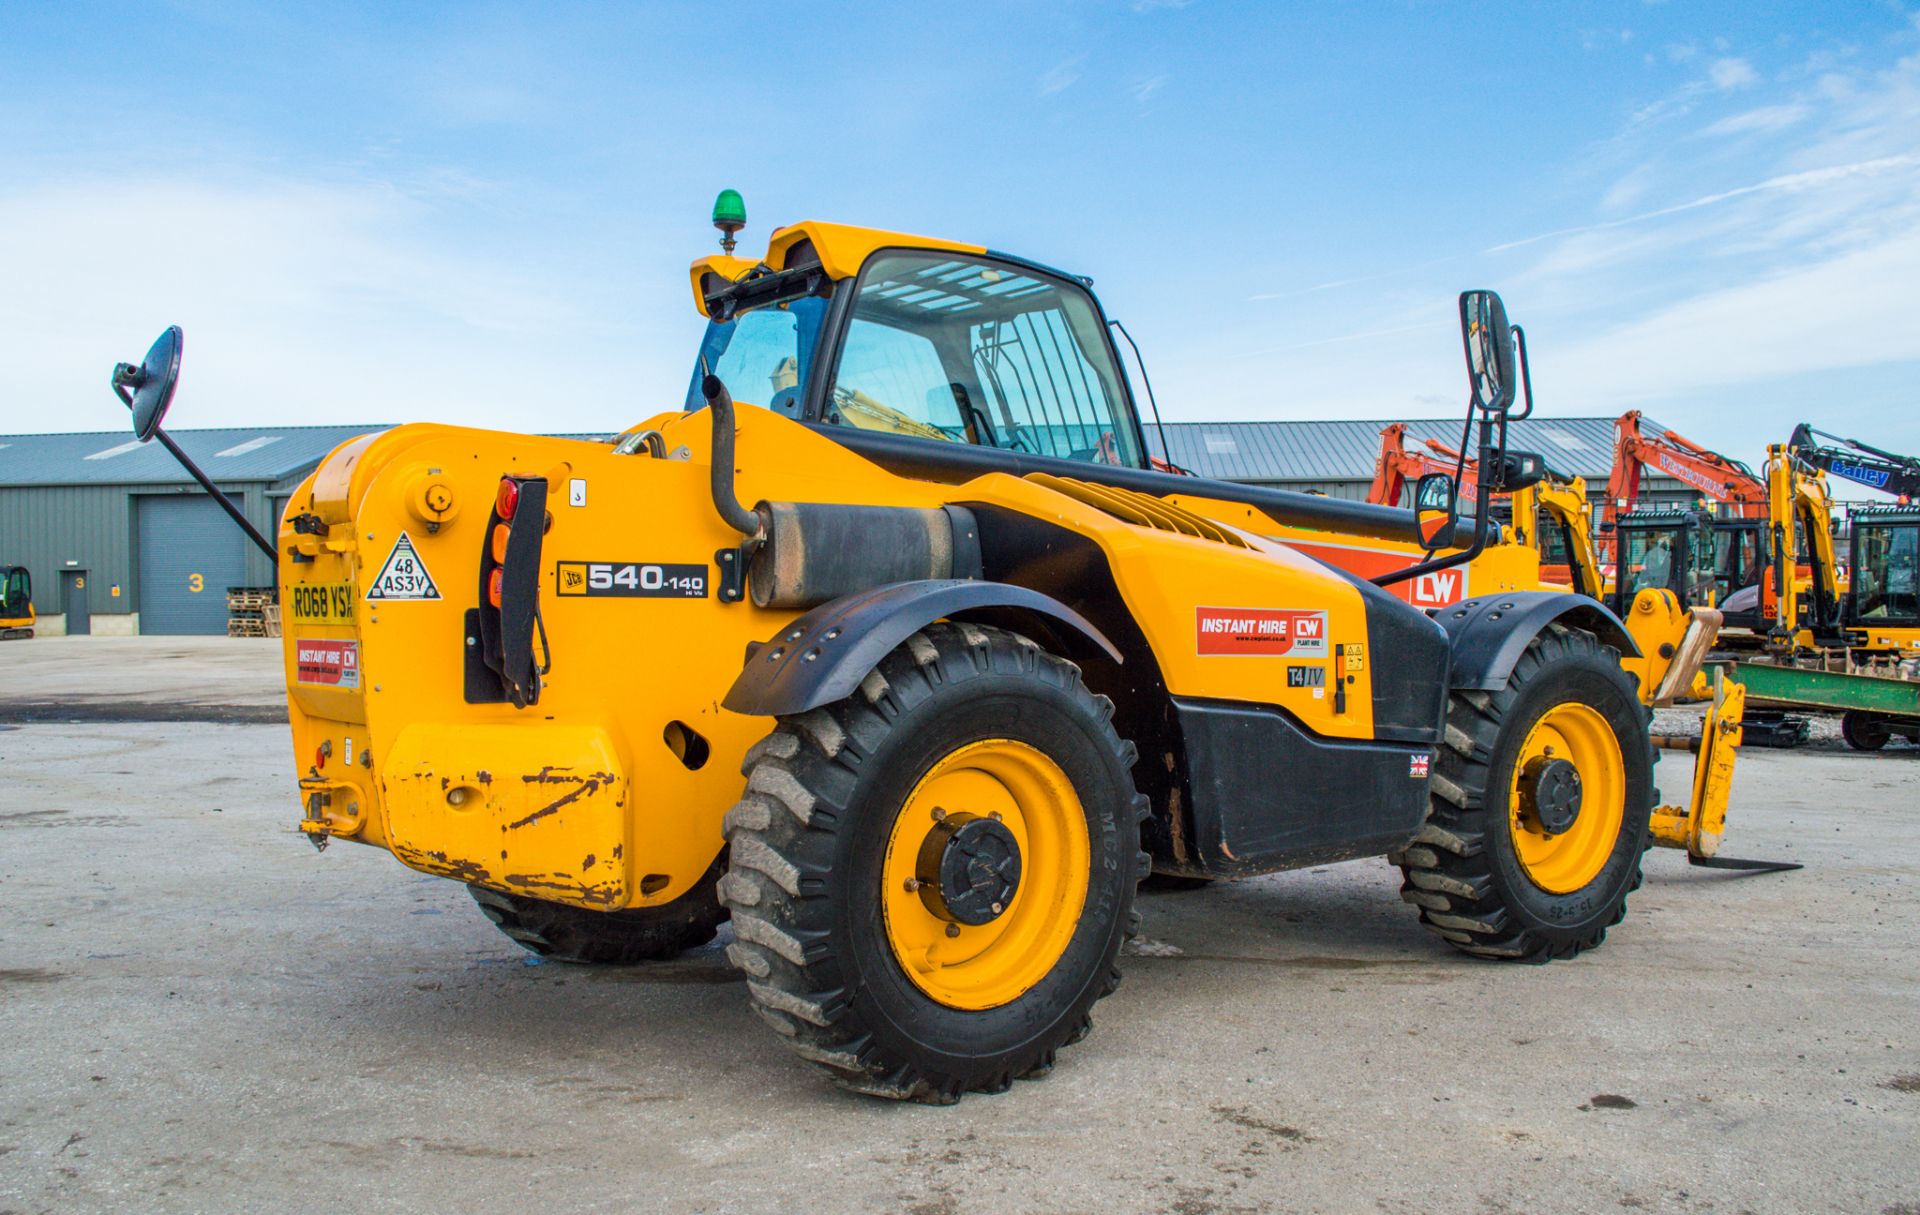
x=974 y=351
x=762 y=355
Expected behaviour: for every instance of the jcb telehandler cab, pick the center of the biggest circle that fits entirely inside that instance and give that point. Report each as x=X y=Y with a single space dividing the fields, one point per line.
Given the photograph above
x=913 y=667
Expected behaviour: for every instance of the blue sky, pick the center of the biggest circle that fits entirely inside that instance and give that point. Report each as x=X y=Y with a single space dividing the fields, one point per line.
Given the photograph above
x=1710 y=211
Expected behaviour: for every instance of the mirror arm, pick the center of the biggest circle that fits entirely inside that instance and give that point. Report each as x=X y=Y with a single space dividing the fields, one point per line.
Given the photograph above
x=125 y=374
x=226 y=503
x=1526 y=373
x=1441 y=563
x=1483 y=503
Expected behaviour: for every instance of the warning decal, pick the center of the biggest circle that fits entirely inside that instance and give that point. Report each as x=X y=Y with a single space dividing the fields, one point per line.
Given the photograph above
x=404 y=576
x=333 y=664
x=1261 y=631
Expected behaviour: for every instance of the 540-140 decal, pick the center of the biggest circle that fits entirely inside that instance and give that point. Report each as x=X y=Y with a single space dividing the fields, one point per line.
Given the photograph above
x=631 y=579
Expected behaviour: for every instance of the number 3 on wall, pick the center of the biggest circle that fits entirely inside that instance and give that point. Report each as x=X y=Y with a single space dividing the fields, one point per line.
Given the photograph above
x=196 y=583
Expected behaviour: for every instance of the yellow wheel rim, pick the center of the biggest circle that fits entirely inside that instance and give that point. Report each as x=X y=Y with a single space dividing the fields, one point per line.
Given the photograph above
x=981 y=966
x=1564 y=862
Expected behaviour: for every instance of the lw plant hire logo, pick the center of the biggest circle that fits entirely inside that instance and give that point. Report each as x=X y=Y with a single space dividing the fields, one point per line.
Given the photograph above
x=1260 y=631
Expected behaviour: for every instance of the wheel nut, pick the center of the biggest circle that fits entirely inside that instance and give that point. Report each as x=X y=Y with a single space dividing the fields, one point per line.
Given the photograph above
x=994 y=815
x=938 y=814
x=953 y=930
x=913 y=884
x=997 y=909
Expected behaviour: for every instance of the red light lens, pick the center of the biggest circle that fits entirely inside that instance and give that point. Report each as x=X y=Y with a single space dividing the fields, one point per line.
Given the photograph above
x=320 y=755
x=508 y=499
x=494 y=582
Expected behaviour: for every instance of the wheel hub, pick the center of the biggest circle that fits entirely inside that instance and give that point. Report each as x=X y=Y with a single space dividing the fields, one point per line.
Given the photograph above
x=1550 y=793
x=968 y=869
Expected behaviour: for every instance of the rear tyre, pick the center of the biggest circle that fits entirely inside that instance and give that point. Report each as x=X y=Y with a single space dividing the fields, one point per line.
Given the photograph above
x=1862 y=731
x=931 y=880
x=607 y=938
x=1541 y=796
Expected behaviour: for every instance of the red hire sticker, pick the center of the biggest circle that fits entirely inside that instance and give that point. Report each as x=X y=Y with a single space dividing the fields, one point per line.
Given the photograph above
x=1261 y=631
x=334 y=664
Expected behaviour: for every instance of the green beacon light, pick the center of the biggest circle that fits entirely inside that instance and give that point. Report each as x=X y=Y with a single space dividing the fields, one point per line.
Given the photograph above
x=729 y=215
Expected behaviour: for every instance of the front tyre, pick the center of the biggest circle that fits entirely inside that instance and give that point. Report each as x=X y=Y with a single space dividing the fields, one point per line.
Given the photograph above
x=931 y=879
x=1541 y=796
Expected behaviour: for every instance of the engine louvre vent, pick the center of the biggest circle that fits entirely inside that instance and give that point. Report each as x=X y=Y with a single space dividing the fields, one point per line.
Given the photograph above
x=1141 y=510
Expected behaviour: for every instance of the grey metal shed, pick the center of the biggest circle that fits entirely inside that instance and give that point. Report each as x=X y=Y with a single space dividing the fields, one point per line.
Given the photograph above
x=95 y=516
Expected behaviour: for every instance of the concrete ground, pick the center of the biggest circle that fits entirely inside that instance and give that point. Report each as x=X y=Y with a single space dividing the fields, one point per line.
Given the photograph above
x=200 y=1013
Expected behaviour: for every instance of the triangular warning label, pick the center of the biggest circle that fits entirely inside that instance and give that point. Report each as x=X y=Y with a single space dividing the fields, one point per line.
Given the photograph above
x=404 y=576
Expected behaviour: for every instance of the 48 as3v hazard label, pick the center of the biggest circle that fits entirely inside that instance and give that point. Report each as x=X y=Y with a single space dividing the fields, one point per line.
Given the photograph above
x=630 y=579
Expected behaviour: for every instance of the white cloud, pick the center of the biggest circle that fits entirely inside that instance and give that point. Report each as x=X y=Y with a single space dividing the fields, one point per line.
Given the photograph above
x=1764 y=118
x=302 y=301
x=1732 y=74
x=1061 y=76
x=1852 y=310
x=1143 y=90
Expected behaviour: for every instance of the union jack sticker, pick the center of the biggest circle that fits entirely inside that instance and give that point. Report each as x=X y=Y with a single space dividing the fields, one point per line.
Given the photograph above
x=1418 y=764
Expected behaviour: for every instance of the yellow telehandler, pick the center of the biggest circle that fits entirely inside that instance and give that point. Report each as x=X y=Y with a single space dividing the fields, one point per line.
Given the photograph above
x=912 y=665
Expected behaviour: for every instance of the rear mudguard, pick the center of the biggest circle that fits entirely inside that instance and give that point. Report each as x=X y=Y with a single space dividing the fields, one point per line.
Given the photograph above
x=823 y=656
x=1488 y=634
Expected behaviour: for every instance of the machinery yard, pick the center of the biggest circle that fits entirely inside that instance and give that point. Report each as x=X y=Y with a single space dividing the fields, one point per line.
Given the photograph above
x=201 y=1014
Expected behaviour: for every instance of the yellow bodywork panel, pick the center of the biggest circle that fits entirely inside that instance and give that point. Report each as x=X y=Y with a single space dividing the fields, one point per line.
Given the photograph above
x=592 y=796
x=842 y=249
x=549 y=801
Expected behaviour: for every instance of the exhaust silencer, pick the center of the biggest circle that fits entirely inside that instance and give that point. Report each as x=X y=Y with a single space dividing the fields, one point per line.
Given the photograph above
x=813 y=552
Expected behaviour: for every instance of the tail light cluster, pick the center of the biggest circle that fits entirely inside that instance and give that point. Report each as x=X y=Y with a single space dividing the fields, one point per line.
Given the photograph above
x=508 y=619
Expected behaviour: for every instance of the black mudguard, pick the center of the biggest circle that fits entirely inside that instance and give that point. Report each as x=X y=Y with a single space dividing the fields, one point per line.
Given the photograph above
x=823 y=656
x=1488 y=633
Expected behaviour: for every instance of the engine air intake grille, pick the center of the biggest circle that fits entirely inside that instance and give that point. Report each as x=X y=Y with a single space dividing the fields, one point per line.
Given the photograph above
x=1141 y=510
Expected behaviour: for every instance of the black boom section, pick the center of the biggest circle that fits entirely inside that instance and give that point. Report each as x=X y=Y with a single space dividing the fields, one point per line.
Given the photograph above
x=1490 y=632
x=932 y=460
x=1264 y=794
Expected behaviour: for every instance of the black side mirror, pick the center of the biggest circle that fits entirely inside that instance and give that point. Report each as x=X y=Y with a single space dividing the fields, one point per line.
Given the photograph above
x=152 y=383
x=1436 y=503
x=1489 y=343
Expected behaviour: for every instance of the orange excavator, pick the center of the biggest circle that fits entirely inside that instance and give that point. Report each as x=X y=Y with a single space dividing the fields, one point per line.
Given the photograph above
x=1732 y=549
x=1396 y=470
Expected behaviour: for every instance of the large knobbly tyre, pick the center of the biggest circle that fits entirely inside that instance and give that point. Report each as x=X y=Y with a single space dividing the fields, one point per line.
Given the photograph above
x=1540 y=800
x=931 y=880
x=607 y=938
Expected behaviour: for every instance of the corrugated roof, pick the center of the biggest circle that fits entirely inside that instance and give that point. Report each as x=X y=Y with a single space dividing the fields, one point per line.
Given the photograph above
x=250 y=453
x=1346 y=450
x=1290 y=451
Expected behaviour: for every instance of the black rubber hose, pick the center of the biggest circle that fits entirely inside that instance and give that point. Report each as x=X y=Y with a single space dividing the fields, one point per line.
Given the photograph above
x=739 y=518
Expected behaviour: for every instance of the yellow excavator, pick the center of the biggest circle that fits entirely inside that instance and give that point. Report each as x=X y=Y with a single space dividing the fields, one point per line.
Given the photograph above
x=16 y=603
